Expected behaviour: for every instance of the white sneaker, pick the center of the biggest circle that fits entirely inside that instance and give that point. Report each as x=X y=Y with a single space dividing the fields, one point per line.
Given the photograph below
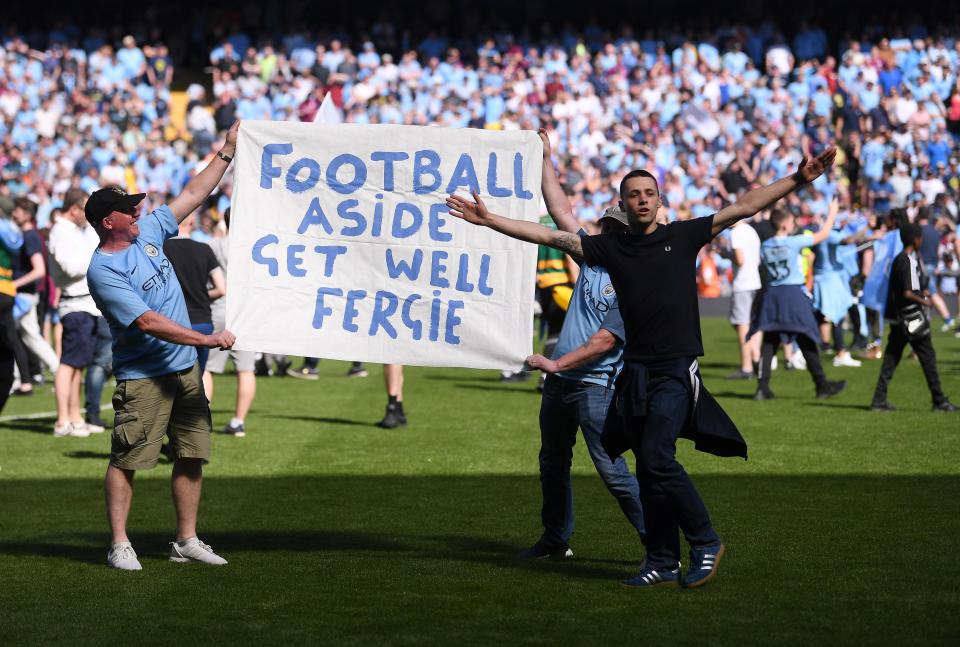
x=846 y=359
x=194 y=550
x=90 y=427
x=123 y=556
x=69 y=429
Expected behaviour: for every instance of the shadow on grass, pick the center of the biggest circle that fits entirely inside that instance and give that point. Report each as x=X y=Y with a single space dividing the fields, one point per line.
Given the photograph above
x=327 y=421
x=87 y=454
x=734 y=394
x=33 y=425
x=838 y=405
x=489 y=519
x=363 y=550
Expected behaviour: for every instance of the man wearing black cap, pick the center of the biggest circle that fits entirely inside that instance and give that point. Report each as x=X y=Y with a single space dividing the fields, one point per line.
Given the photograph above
x=159 y=391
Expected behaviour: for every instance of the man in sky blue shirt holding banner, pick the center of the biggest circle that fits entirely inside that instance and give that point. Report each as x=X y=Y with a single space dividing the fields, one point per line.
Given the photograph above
x=159 y=391
x=579 y=389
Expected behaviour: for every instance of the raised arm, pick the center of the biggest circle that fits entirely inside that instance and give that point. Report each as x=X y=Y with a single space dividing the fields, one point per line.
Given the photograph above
x=206 y=180
x=757 y=200
x=557 y=204
x=532 y=232
x=824 y=232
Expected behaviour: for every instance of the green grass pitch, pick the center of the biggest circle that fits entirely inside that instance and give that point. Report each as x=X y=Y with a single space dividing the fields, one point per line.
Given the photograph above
x=841 y=528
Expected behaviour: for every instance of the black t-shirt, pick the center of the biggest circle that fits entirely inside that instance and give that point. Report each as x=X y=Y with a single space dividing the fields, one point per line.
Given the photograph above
x=733 y=181
x=764 y=228
x=192 y=263
x=32 y=244
x=655 y=277
x=904 y=276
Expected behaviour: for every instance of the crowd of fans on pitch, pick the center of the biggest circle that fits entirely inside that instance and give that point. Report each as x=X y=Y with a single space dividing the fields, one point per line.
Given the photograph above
x=710 y=115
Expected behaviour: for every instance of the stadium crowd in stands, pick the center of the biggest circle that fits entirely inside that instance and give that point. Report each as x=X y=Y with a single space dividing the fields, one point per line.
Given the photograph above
x=710 y=115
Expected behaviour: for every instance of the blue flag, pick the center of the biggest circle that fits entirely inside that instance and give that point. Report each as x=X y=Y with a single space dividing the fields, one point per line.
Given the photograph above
x=877 y=284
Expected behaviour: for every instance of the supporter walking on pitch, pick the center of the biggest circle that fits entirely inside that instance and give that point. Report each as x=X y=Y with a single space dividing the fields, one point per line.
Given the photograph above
x=659 y=395
x=394 y=416
x=159 y=391
x=579 y=386
x=909 y=323
x=784 y=308
x=200 y=278
x=832 y=297
x=72 y=242
x=746 y=286
x=243 y=360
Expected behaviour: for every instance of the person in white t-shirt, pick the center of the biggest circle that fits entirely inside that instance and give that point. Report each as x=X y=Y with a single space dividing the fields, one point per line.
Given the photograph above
x=71 y=246
x=746 y=283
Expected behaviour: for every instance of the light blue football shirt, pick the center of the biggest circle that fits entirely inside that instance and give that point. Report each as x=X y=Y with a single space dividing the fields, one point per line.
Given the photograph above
x=828 y=259
x=593 y=306
x=780 y=256
x=128 y=283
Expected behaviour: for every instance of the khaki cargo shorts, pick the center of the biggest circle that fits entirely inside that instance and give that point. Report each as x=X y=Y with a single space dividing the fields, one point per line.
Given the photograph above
x=148 y=409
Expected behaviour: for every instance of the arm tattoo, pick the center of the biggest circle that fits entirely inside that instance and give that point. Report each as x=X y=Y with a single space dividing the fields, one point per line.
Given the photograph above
x=569 y=243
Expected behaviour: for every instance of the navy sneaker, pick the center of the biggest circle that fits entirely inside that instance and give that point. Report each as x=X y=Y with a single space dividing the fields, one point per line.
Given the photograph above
x=703 y=565
x=238 y=431
x=651 y=577
x=543 y=550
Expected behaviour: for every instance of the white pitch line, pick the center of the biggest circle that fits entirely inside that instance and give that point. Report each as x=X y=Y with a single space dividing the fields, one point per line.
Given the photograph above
x=41 y=415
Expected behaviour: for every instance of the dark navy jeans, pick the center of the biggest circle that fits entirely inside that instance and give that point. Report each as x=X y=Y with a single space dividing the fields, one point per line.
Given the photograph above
x=670 y=500
x=566 y=406
x=97 y=371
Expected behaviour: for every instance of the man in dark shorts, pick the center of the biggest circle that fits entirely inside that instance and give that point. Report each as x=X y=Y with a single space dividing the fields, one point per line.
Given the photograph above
x=659 y=395
x=159 y=391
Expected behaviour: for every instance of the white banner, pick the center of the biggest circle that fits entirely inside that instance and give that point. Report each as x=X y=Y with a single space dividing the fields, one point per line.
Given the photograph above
x=341 y=246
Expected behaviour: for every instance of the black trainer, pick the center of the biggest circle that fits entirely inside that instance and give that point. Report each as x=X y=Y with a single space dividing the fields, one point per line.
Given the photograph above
x=882 y=406
x=393 y=418
x=830 y=389
x=543 y=550
x=763 y=394
x=946 y=407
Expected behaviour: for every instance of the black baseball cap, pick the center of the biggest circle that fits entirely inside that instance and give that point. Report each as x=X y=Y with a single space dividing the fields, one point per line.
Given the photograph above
x=105 y=201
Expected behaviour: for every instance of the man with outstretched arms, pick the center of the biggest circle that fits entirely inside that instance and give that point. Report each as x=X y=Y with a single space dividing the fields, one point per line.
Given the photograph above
x=659 y=395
